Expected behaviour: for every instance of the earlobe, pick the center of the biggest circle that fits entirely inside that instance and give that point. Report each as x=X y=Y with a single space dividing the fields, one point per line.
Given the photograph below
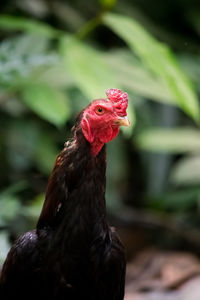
x=86 y=130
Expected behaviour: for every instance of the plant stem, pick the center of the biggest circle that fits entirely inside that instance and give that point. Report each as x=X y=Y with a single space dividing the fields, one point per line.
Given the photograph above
x=90 y=25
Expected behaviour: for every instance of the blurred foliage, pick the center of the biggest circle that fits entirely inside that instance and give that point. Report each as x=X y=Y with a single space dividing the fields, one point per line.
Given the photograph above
x=55 y=57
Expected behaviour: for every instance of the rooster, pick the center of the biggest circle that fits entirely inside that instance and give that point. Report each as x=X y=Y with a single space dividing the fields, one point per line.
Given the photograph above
x=73 y=254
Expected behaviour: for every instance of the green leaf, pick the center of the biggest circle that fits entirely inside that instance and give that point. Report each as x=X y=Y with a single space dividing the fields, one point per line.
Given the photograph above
x=132 y=75
x=158 y=58
x=47 y=102
x=33 y=209
x=27 y=25
x=190 y=63
x=186 y=171
x=175 y=140
x=107 y=4
x=4 y=246
x=21 y=141
x=9 y=206
x=47 y=75
x=21 y=55
x=88 y=69
x=45 y=153
x=9 y=202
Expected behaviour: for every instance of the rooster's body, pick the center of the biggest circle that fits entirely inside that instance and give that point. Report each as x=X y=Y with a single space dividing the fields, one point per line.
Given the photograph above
x=73 y=254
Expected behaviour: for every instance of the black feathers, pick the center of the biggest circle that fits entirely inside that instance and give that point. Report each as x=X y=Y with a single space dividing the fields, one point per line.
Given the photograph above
x=73 y=254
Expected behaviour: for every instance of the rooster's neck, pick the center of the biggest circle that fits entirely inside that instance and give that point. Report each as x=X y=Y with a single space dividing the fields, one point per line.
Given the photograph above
x=75 y=197
x=85 y=206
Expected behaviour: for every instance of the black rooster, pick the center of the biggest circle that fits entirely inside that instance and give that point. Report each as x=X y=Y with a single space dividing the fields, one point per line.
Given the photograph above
x=73 y=254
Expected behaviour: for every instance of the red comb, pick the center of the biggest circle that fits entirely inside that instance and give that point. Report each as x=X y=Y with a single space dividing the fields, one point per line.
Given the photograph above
x=119 y=99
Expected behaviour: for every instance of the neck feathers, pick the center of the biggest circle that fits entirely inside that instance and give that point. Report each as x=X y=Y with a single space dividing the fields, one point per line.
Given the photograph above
x=76 y=187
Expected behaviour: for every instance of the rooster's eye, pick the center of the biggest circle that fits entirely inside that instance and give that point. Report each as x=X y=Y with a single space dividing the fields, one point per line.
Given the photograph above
x=99 y=110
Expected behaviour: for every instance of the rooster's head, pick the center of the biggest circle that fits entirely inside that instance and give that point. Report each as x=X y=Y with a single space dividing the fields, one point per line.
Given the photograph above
x=103 y=117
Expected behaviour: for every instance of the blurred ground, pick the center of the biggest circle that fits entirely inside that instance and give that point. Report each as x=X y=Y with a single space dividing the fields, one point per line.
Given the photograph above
x=166 y=275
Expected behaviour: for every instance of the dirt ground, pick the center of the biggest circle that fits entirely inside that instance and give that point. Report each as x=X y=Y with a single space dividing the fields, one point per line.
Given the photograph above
x=163 y=275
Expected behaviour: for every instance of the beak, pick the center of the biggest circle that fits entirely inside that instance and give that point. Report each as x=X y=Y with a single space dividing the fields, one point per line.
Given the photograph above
x=122 y=121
